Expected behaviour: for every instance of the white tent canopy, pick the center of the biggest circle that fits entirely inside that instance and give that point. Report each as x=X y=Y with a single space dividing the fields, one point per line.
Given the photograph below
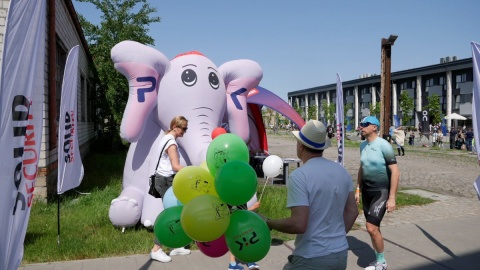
x=455 y=116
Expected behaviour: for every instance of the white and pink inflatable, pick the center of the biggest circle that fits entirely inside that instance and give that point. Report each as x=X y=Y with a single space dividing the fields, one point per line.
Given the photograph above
x=190 y=85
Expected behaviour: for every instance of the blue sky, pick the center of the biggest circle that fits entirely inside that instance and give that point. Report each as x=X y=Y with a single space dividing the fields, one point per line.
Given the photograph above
x=304 y=43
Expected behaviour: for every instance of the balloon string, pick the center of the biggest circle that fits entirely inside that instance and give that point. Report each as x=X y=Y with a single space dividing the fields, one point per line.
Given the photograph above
x=242 y=207
x=263 y=190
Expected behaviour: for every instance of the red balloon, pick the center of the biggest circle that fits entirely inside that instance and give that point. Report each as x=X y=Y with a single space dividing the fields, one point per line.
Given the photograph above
x=218 y=131
x=215 y=248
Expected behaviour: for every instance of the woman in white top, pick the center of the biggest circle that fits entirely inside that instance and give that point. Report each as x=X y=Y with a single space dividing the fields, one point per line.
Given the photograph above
x=168 y=166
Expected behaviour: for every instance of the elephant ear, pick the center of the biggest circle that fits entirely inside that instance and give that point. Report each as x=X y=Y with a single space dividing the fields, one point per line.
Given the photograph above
x=144 y=68
x=240 y=76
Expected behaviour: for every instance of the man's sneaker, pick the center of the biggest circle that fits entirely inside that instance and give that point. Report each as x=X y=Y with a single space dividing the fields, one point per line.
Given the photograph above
x=160 y=256
x=377 y=266
x=234 y=267
x=180 y=251
x=253 y=266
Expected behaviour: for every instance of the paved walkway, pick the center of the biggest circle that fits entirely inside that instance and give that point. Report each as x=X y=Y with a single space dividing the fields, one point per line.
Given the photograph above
x=441 y=235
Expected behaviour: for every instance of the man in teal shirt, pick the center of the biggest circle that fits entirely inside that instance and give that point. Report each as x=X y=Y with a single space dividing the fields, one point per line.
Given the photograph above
x=378 y=178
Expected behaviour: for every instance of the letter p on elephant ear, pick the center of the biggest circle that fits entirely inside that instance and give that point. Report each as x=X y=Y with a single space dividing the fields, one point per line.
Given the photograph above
x=240 y=76
x=144 y=68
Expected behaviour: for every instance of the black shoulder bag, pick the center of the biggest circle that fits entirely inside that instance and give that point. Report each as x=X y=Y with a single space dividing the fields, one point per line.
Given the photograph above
x=152 y=190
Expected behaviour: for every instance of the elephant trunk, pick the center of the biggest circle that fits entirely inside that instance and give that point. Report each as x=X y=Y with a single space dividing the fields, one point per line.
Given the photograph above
x=198 y=137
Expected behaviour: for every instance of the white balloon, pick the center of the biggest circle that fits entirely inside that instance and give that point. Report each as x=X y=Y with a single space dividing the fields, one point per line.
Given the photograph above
x=272 y=166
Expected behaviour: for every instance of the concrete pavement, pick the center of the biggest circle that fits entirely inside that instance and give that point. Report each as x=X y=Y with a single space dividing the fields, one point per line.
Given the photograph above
x=441 y=235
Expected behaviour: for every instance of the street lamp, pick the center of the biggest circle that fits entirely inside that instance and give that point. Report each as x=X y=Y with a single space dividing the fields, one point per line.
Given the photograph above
x=385 y=84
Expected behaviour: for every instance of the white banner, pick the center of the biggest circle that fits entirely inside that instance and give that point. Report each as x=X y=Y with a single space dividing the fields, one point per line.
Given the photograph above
x=70 y=167
x=475 y=103
x=21 y=100
x=340 y=121
x=476 y=95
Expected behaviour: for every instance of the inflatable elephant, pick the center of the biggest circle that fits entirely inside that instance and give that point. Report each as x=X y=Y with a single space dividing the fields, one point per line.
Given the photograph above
x=190 y=85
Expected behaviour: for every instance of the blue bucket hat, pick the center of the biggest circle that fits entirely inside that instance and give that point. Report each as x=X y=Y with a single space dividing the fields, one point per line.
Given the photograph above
x=372 y=120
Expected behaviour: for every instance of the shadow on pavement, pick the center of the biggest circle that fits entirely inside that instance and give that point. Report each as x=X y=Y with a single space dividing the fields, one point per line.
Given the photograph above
x=465 y=262
x=364 y=253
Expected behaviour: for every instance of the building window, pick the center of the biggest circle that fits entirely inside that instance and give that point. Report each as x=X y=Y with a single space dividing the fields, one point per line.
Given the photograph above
x=83 y=99
x=456 y=102
x=466 y=98
x=429 y=82
x=441 y=80
x=61 y=59
x=461 y=78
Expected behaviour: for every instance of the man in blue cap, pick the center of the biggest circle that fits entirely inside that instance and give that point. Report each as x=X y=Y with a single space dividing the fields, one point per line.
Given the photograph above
x=378 y=178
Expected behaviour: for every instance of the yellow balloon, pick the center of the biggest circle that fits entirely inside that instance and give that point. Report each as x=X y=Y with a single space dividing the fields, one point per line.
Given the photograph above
x=205 y=218
x=193 y=181
x=204 y=166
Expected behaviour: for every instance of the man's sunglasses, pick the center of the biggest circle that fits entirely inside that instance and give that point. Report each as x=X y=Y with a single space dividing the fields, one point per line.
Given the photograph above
x=365 y=124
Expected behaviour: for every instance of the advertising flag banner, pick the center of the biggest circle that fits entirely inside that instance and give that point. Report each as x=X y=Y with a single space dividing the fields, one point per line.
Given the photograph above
x=476 y=95
x=424 y=122
x=475 y=104
x=21 y=103
x=340 y=121
x=70 y=168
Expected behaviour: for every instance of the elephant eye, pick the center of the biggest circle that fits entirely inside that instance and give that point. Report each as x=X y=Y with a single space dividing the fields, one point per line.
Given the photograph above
x=213 y=80
x=189 y=77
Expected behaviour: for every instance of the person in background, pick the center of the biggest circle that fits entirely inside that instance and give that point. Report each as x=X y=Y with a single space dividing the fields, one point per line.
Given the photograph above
x=322 y=205
x=434 y=136
x=460 y=142
x=411 y=139
x=168 y=166
x=440 y=138
x=468 y=139
x=453 y=137
x=378 y=178
x=330 y=132
x=399 y=136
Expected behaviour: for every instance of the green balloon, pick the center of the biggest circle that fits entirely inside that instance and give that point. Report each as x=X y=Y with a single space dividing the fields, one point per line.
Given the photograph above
x=236 y=182
x=248 y=236
x=205 y=218
x=225 y=148
x=168 y=228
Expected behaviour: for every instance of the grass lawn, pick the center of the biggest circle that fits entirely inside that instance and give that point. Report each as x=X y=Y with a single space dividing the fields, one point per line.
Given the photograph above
x=86 y=231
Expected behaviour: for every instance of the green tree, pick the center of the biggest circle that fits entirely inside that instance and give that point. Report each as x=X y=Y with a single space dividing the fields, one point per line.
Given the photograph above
x=267 y=115
x=407 y=106
x=120 y=20
x=298 y=109
x=347 y=107
x=434 y=109
x=375 y=110
x=329 y=110
x=312 y=112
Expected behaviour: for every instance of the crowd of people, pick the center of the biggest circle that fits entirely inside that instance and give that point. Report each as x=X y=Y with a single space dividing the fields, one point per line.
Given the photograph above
x=461 y=138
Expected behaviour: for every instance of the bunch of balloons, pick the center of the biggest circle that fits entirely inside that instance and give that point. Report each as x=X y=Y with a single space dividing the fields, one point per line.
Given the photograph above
x=199 y=204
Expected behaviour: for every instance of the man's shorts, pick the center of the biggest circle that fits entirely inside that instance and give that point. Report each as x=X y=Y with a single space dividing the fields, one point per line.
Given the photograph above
x=333 y=261
x=374 y=205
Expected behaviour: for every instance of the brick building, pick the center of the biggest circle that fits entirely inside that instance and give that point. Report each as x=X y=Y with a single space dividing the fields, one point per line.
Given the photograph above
x=63 y=32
